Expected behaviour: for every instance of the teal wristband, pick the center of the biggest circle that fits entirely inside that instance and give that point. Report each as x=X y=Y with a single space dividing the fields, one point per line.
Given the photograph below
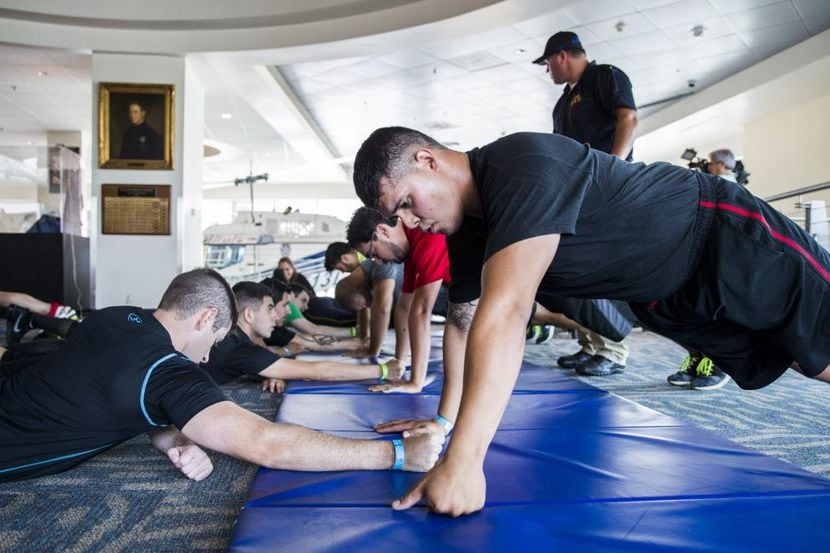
x=444 y=423
x=398 y=465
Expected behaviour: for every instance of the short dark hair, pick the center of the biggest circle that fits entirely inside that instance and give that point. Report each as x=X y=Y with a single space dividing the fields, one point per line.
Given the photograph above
x=575 y=52
x=138 y=103
x=277 y=287
x=198 y=289
x=296 y=288
x=334 y=252
x=250 y=294
x=388 y=152
x=363 y=224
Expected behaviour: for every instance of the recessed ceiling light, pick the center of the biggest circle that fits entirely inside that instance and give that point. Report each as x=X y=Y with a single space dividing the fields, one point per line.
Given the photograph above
x=42 y=74
x=226 y=116
x=31 y=143
x=520 y=50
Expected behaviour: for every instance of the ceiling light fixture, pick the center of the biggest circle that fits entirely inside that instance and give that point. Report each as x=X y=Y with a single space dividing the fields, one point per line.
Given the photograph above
x=698 y=30
x=42 y=74
x=226 y=116
x=620 y=26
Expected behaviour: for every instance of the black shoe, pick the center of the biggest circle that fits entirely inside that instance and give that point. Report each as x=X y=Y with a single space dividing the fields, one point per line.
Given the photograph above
x=598 y=365
x=709 y=376
x=686 y=373
x=18 y=323
x=573 y=361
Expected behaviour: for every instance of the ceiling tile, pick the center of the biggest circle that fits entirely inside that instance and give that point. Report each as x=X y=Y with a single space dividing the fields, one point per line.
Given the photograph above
x=691 y=11
x=634 y=24
x=760 y=18
x=771 y=41
x=712 y=29
x=732 y=6
x=642 y=44
x=546 y=24
x=406 y=59
x=812 y=8
x=817 y=25
x=589 y=12
x=648 y=4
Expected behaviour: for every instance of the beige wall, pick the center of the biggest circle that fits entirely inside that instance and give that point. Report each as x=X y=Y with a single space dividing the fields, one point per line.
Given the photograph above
x=789 y=149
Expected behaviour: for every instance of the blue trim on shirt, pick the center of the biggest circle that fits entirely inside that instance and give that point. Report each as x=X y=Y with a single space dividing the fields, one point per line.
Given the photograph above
x=56 y=459
x=144 y=387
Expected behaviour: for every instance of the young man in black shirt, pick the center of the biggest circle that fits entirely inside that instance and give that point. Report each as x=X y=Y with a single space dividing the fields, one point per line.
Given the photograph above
x=125 y=371
x=699 y=259
x=243 y=352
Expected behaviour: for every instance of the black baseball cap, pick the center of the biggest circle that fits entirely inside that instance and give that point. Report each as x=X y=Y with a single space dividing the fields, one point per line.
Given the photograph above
x=563 y=40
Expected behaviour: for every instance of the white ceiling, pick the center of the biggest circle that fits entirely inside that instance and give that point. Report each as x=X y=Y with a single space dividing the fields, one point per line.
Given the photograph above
x=473 y=89
x=465 y=89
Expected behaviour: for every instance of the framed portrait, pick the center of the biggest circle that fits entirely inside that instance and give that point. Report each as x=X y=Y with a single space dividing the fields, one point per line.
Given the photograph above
x=135 y=126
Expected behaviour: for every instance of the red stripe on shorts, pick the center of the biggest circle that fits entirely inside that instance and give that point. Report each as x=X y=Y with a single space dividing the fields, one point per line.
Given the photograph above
x=775 y=234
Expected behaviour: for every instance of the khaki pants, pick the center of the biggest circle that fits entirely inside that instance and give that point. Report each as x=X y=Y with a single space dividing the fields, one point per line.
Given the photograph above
x=594 y=344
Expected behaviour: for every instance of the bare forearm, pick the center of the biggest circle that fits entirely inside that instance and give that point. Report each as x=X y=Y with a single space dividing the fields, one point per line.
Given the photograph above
x=380 y=323
x=229 y=429
x=25 y=301
x=459 y=317
x=364 y=318
x=624 y=136
x=490 y=372
x=402 y=330
x=290 y=369
x=419 y=330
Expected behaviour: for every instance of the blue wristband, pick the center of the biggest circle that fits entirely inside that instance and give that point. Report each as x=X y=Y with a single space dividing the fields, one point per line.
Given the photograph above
x=444 y=423
x=398 y=455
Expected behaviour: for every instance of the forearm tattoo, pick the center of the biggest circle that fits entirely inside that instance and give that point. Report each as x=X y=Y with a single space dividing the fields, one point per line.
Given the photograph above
x=460 y=315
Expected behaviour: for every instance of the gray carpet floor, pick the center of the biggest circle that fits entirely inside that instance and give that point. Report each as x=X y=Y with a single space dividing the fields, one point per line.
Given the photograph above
x=131 y=499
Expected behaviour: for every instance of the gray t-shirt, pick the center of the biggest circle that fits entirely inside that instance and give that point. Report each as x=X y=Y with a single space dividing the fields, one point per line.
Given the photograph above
x=375 y=272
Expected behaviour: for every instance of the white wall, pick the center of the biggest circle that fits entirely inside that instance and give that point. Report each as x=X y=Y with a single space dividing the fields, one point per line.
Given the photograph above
x=789 y=149
x=136 y=269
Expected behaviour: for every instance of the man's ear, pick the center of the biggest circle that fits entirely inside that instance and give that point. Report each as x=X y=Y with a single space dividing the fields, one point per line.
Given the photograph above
x=206 y=317
x=383 y=230
x=425 y=158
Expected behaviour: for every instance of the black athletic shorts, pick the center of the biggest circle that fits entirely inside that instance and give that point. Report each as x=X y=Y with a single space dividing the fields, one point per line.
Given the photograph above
x=760 y=295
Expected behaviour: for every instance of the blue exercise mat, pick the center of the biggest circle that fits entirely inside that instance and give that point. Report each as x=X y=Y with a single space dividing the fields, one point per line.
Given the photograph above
x=571 y=468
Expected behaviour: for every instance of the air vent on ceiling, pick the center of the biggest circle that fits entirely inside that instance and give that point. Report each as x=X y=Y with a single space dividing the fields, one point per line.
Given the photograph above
x=477 y=61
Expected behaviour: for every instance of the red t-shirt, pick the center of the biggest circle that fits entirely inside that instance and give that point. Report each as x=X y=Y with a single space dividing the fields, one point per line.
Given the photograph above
x=427 y=261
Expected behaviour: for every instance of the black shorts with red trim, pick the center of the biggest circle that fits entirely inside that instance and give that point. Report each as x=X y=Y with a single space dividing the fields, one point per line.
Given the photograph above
x=759 y=298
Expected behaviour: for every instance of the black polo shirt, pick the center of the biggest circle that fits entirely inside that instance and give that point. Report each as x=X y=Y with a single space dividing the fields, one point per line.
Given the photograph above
x=587 y=112
x=237 y=355
x=117 y=376
x=629 y=231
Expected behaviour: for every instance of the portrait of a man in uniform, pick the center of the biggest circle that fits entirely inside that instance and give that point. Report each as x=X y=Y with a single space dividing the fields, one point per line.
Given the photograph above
x=136 y=126
x=140 y=140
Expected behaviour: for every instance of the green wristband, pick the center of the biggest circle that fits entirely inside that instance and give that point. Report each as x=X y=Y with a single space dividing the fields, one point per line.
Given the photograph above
x=384 y=371
x=353 y=331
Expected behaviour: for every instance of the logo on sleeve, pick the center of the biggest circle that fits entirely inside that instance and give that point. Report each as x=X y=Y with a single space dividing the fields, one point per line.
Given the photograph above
x=135 y=319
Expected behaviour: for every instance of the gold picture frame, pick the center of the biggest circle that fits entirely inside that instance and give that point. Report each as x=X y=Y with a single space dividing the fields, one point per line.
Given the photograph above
x=135 y=126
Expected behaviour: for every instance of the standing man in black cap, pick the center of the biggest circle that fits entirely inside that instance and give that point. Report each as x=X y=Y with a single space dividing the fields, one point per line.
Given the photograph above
x=598 y=109
x=597 y=106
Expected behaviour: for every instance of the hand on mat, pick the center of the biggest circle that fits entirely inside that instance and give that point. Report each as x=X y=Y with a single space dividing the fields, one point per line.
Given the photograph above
x=273 y=385
x=295 y=348
x=191 y=460
x=421 y=452
x=397 y=386
x=410 y=427
x=448 y=490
